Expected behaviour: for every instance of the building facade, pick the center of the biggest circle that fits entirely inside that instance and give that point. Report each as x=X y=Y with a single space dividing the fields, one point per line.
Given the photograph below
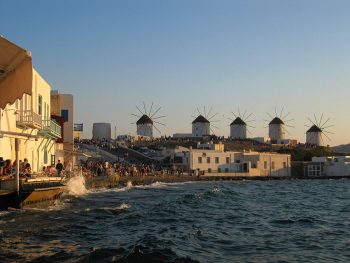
x=29 y=120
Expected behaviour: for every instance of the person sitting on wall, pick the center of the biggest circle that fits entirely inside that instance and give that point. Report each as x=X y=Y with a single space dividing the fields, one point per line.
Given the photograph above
x=52 y=170
x=59 y=167
x=7 y=167
x=2 y=165
x=27 y=170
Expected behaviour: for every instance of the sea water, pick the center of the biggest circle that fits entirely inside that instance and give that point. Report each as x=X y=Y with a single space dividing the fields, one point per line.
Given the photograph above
x=240 y=221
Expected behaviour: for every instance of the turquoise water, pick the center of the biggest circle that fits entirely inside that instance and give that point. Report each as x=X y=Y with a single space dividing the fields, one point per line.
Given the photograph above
x=241 y=221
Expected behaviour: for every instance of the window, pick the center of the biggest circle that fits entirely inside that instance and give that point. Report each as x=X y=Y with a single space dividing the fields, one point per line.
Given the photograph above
x=40 y=104
x=64 y=115
x=265 y=164
x=45 y=155
x=219 y=170
x=216 y=159
x=209 y=170
x=199 y=159
x=284 y=165
x=226 y=170
x=227 y=159
x=254 y=165
x=272 y=165
x=208 y=159
x=53 y=159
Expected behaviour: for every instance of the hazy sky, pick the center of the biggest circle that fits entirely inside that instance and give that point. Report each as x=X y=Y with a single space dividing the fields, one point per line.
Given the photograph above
x=255 y=55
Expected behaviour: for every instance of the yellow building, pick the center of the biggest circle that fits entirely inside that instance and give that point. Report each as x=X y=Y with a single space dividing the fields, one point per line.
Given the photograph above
x=25 y=109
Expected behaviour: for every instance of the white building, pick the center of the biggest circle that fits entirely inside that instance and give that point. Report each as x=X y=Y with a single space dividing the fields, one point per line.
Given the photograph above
x=276 y=129
x=328 y=166
x=314 y=136
x=25 y=110
x=144 y=126
x=218 y=162
x=101 y=131
x=238 y=129
x=200 y=127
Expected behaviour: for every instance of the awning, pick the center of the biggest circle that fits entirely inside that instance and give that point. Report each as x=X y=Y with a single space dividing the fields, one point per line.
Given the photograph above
x=15 y=72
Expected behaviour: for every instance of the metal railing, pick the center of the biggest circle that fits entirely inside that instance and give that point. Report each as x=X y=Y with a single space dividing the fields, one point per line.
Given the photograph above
x=52 y=127
x=28 y=118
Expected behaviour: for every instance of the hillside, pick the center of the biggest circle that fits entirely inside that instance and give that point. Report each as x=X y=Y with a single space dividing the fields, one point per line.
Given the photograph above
x=344 y=148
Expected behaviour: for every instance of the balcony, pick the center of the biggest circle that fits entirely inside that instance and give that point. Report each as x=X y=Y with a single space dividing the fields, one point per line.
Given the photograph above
x=51 y=128
x=28 y=119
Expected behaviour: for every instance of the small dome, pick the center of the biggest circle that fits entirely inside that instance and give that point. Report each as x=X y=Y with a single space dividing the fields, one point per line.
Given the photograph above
x=238 y=121
x=276 y=120
x=144 y=120
x=314 y=128
x=200 y=119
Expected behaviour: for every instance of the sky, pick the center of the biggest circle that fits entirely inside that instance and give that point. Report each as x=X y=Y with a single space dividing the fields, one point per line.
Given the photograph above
x=181 y=55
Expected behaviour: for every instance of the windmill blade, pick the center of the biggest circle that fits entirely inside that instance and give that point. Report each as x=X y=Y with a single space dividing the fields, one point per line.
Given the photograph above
x=214 y=116
x=247 y=118
x=154 y=113
x=328 y=132
x=144 y=107
x=158 y=117
x=266 y=120
x=290 y=126
x=234 y=114
x=136 y=115
x=150 y=111
x=311 y=121
x=139 y=110
x=250 y=121
x=326 y=122
x=321 y=118
x=329 y=126
x=205 y=113
x=210 y=111
x=214 y=121
x=285 y=116
x=214 y=126
x=281 y=112
x=133 y=123
x=160 y=123
x=276 y=112
x=326 y=136
x=289 y=120
x=239 y=113
x=198 y=111
x=269 y=115
x=155 y=127
x=245 y=112
x=250 y=126
x=318 y=125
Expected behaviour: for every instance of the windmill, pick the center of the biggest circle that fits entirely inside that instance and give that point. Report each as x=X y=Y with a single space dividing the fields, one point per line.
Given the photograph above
x=317 y=130
x=201 y=125
x=147 y=120
x=277 y=126
x=238 y=126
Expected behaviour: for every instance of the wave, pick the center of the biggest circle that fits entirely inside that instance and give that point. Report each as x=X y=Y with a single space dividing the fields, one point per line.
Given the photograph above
x=76 y=186
x=133 y=254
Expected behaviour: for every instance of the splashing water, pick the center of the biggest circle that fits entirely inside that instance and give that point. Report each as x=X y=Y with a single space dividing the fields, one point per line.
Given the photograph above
x=76 y=186
x=129 y=185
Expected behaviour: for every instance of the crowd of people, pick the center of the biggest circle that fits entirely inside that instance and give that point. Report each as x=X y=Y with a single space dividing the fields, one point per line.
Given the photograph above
x=8 y=168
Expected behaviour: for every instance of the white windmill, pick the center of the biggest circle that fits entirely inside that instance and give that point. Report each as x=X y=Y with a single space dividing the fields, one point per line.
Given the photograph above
x=147 y=120
x=278 y=124
x=317 y=130
x=201 y=125
x=238 y=126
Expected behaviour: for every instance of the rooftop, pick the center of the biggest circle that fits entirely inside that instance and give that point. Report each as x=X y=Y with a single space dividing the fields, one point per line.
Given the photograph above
x=200 y=119
x=276 y=120
x=238 y=121
x=144 y=120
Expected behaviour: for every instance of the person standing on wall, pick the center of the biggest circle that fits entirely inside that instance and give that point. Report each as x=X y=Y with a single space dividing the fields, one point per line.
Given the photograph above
x=59 y=167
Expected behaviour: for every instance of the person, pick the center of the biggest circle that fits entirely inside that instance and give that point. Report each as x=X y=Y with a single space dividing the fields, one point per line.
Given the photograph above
x=52 y=170
x=2 y=165
x=59 y=167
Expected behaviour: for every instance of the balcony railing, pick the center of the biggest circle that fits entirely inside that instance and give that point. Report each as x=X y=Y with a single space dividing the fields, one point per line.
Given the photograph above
x=51 y=128
x=28 y=119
